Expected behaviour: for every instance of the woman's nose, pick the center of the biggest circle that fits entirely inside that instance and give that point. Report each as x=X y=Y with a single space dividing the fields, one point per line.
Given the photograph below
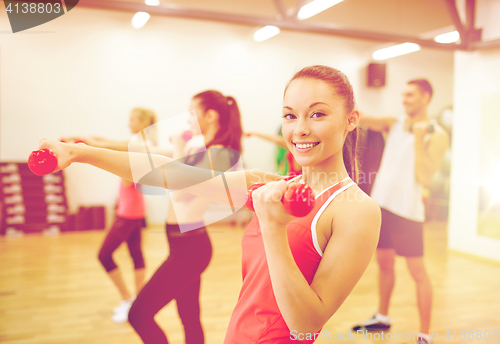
x=302 y=128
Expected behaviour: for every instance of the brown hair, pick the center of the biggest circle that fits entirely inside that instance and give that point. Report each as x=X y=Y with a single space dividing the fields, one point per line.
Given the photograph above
x=343 y=89
x=423 y=84
x=230 y=131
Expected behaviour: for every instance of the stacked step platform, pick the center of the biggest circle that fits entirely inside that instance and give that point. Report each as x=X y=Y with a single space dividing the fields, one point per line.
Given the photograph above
x=31 y=203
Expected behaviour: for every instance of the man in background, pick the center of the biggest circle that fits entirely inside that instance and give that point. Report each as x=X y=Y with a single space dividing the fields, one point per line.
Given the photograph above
x=413 y=153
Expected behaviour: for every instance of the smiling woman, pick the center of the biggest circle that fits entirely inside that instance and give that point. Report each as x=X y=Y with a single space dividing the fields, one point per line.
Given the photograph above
x=297 y=272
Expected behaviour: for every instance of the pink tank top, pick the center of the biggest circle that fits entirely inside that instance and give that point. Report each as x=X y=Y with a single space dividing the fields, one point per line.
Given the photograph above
x=256 y=317
x=130 y=203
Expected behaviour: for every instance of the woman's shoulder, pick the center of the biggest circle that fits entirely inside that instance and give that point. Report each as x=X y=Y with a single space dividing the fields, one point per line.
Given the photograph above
x=357 y=201
x=352 y=214
x=354 y=205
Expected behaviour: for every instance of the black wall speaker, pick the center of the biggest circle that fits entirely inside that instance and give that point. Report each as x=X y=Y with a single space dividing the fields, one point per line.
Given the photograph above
x=376 y=74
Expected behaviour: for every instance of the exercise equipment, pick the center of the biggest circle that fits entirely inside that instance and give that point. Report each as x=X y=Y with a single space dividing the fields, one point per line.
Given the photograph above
x=74 y=141
x=42 y=161
x=186 y=135
x=430 y=128
x=298 y=199
x=250 y=191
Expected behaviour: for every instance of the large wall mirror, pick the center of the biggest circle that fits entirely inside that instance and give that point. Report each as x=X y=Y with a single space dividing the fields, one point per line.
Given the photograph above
x=489 y=168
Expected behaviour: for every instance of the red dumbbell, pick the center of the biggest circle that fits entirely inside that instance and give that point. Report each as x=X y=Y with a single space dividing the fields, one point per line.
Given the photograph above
x=298 y=199
x=75 y=141
x=186 y=135
x=42 y=161
x=250 y=190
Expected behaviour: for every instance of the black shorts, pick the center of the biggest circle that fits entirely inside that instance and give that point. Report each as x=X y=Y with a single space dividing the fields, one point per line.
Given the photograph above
x=405 y=236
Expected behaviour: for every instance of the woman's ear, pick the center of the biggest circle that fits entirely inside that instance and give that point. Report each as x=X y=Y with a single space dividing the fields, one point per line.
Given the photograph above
x=352 y=120
x=212 y=116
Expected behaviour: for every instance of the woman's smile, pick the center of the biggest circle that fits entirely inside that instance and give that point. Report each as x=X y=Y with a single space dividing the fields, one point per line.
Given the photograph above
x=303 y=146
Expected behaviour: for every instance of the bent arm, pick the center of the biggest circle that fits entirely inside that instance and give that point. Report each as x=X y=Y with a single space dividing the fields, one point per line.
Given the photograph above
x=306 y=308
x=380 y=124
x=429 y=155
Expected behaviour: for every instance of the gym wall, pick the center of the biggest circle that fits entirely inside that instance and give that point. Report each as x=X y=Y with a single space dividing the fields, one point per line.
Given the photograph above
x=82 y=74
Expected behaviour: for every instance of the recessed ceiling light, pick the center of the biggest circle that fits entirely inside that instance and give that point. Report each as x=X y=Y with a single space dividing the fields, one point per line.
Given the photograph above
x=265 y=33
x=315 y=7
x=152 y=2
x=449 y=37
x=395 y=50
x=140 y=19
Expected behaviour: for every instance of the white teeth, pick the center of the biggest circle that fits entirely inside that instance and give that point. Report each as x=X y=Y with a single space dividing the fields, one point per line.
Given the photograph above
x=307 y=145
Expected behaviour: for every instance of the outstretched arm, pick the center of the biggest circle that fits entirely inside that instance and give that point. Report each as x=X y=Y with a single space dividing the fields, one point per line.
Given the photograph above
x=161 y=171
x=276 y=139
x=100 y=142
x=122 y=146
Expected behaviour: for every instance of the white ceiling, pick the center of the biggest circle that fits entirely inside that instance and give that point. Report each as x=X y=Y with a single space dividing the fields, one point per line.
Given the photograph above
x=403 y=17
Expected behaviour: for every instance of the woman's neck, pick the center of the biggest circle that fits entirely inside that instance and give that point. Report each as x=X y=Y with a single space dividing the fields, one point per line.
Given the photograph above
x=325 y=174
x=209 y=134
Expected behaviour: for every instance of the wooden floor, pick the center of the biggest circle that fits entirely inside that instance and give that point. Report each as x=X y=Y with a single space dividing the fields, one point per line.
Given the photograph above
x=53 y=290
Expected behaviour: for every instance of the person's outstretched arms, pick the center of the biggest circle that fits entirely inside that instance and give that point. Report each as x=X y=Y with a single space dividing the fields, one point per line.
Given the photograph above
x=122 y=146
x=161 y=171
x=276 y=139
x=113 y=161
x=380 y=124
x=100 y=142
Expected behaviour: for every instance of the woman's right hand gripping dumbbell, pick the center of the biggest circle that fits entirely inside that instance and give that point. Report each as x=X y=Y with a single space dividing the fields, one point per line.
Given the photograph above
x=63 y=151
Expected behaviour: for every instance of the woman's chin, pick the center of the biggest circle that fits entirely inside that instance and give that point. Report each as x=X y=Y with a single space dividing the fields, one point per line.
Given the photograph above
x=304 y=162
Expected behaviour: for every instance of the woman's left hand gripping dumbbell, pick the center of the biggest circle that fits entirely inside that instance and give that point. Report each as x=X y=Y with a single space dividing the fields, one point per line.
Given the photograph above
x=279 y=203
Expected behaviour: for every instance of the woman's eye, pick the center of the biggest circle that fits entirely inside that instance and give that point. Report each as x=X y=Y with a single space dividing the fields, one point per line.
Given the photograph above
x=289 y=116
x=318 y=114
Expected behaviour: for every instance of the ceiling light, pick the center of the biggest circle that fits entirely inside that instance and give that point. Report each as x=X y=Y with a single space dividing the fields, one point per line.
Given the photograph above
x=152 y=2
x=140 y=19
x=265 y=33
x=395 y=50
x=449 y=37
x=315 y=7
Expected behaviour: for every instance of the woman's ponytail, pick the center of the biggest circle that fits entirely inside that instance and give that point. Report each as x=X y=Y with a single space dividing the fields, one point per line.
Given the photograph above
x=230 y=131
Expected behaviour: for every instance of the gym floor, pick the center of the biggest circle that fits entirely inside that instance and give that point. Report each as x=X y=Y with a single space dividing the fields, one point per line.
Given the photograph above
x=53 y=290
